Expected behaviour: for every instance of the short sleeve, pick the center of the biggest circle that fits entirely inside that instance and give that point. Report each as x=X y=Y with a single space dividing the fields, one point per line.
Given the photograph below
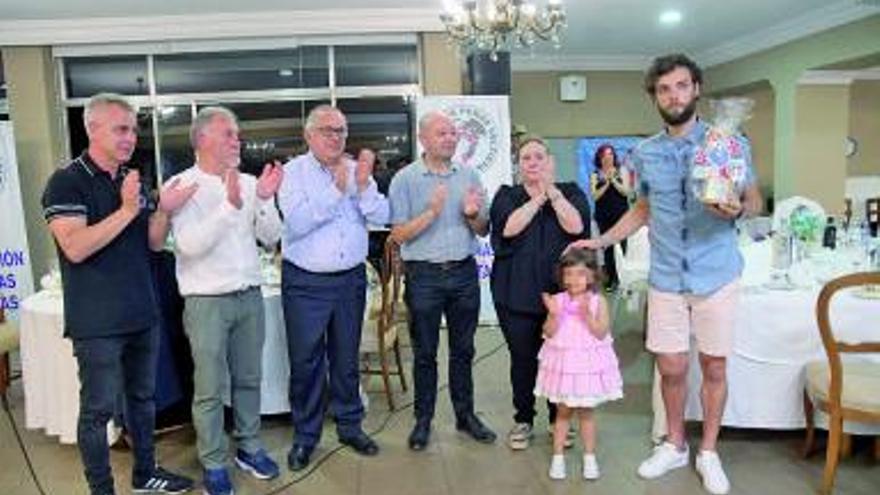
x=63 y=197
x=502 y=207
x=750 y=177
x=634 y=162
x=398 y=199
x=576 y=196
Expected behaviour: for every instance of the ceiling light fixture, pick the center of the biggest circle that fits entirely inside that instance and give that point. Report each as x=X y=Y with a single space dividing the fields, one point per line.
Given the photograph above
x=502 y=25
x=670 y=18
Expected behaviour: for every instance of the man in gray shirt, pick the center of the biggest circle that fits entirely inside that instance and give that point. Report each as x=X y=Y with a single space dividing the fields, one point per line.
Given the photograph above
x=437 y=210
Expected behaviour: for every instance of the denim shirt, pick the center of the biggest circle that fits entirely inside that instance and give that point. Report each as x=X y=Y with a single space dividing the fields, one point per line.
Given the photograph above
x=692 y=250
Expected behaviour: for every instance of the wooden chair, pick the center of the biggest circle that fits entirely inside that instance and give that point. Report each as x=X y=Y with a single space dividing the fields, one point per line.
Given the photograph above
x=8 y=343
x=845 y=390
x=386 y=317
x=872 y=214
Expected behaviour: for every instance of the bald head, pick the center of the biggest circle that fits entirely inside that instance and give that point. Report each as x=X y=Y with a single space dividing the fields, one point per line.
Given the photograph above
x=438 y=136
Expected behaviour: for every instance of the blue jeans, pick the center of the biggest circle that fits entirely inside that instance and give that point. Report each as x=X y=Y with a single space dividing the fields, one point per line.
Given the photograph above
x=432 y=290
x=109 y=366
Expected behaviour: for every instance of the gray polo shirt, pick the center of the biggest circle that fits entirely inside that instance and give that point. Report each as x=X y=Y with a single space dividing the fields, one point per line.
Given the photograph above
x=448 y=238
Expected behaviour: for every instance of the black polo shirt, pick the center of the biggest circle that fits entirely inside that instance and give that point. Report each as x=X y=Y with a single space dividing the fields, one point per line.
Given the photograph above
x=111 y=291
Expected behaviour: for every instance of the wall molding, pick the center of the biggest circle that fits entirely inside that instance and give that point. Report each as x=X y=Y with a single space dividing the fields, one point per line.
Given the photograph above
x=543 y=62
x=811 y=22
x=838 y=77
x=220 y=26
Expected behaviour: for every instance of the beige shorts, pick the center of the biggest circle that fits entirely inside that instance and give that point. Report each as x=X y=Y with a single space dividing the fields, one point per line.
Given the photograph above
x=711 y=318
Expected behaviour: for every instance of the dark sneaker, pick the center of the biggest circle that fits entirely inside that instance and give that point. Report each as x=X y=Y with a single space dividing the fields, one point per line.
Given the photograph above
x=162 y=481
x=259 y=464
x=217 y=482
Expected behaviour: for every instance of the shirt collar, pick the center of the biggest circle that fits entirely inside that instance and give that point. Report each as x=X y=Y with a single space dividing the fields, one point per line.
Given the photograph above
x=424 y=170
x=90 y=166
x=694 y=136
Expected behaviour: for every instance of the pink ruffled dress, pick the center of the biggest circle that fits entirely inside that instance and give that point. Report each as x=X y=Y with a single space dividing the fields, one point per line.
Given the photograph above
x=576 y=368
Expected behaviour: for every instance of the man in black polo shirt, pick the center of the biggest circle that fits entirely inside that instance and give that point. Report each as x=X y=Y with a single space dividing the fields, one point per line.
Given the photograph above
x=104 y=225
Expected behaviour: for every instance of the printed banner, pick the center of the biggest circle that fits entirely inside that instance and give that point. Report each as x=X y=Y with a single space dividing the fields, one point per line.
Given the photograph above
x=15 y=265
x=483 y=124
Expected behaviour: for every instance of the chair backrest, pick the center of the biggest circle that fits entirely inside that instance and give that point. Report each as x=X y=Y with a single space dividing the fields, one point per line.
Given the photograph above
x=633 y=266
x=834 y=347
x=872 y=210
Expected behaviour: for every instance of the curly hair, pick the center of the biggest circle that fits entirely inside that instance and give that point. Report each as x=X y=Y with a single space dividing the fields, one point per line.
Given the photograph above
x=668 y=63
x=597 y=158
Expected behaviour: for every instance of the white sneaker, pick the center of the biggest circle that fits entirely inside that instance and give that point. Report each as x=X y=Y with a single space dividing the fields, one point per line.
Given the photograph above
x=520 y=436
x=591 y=467
x=709 y=467
x=557 y=467
x=665 y=458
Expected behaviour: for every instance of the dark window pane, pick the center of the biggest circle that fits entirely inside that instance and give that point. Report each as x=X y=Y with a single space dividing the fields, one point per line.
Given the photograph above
x=381 y=124
x=85 y=77
x=270 y=131
x=177 y=154
x=143 y=158
x=304 y=67
x=376 y=65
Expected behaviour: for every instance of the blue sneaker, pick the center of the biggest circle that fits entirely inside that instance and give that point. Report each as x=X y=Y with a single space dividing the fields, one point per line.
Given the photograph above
x=217 y=482
x=259 y=464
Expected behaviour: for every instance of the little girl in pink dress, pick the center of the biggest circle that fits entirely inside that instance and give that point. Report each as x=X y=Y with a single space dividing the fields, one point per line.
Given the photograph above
x=578 y=367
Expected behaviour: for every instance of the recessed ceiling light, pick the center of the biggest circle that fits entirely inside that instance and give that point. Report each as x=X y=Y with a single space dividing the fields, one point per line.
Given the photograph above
x=670 y=17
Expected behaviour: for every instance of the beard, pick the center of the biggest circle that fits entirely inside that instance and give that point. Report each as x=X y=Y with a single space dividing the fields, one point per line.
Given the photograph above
x=678 y=119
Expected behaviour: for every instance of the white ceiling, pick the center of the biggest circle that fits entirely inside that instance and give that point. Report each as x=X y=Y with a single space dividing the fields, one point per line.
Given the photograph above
x=600 y=32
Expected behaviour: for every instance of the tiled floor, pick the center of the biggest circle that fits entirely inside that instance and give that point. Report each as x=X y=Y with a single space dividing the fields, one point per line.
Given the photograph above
x=758 y=462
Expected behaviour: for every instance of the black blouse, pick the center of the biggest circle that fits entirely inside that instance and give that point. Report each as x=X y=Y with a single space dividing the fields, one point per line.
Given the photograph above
x=525 y=265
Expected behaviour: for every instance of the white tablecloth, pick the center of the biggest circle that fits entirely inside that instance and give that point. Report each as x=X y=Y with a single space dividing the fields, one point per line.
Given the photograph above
x=50 y=372
x=276 y=367
x=776 y=336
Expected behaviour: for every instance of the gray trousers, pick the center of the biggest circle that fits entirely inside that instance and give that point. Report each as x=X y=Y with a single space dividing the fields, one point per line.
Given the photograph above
x=226 y=335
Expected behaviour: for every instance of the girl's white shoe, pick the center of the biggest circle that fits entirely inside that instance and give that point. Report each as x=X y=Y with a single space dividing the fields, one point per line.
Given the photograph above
x=557 y=467
x=591 y=467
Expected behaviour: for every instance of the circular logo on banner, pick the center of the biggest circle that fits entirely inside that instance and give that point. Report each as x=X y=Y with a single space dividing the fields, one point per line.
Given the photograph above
x=478 y=136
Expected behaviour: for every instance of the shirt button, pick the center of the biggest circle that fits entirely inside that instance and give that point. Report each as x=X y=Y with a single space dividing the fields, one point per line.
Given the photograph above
x=684 y=265
x=684 y=234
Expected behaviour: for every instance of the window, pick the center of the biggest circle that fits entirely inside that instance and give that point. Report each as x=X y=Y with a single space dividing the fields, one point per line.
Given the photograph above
x=304 y=67
x=376 y=65
x=381 y=124
x=270 y=90
x=85 y=77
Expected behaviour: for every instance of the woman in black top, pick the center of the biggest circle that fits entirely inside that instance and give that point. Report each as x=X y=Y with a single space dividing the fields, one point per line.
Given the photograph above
x=611 y=195
x=531 y=224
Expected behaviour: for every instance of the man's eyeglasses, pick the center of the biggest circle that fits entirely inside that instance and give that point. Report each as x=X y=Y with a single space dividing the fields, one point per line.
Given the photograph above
x=329 y=132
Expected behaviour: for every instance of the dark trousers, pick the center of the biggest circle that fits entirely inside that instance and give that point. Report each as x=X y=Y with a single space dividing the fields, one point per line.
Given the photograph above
x=107 y=366
x=608 y=257
x=522 y=331
x=433 y=290
x=323 y=315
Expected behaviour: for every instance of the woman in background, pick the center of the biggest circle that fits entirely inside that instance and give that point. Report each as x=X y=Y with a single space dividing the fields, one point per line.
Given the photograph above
x=611 y=195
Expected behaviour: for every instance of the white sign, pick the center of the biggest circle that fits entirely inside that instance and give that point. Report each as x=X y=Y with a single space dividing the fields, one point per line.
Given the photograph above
x=15 y=265
x=483 y=124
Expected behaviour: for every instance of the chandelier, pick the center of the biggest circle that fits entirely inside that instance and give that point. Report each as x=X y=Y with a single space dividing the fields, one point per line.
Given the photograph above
x=502 y=24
